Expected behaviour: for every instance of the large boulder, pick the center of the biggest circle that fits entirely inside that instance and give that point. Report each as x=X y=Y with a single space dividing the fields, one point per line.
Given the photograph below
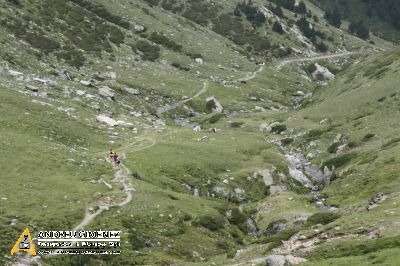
x=322 y=73
x=267 y=127
x=106 y=120
x=131 y=91
x=266 y=176
x=107 y=92
x=275 y=260
x=216 y=105
x=282 y=260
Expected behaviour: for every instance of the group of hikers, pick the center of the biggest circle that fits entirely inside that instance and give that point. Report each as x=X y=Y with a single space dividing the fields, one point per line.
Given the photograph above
x=114 y=157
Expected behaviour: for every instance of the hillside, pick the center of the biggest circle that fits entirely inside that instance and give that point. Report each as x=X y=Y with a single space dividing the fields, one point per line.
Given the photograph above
x=303 y=162
x=381 y=17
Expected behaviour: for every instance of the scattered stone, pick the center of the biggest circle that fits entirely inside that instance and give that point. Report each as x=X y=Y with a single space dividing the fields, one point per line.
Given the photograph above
x=322 y=72
x=197 y=128
x=131 y=91
x=107 y=92
x=106 y=120
x=199 y=61
x=276 y=260
x=86 y=83
x=217 y=107
x=266 y=176
x=282 y=260
x=239 y=191
x=374 y=200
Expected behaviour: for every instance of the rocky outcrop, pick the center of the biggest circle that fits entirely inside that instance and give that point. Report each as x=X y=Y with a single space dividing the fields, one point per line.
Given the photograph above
x=131 y=91
x=282 y=260
x=266 y=176
x=267 y=127
x=322 y=73
x=107 y=92
x=217 y=107
x=106 y=120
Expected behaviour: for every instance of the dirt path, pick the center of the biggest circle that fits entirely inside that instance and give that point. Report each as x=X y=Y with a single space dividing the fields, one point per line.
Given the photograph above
x=173 y=106
x=283 y=63
x=122 y=176
x=251 y=75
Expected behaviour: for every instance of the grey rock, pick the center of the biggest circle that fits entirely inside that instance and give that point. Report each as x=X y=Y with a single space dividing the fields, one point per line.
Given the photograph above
x=292 y=260
x=131 y=91
x=277 y=189
x=86 y=83
x=275 y=260
x=218 y=107
x=106 y=91
x=266 y=176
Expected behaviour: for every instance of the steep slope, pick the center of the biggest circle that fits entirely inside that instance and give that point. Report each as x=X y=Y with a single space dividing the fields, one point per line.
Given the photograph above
x=80 y=77
x=350 y=127
x=380 y=16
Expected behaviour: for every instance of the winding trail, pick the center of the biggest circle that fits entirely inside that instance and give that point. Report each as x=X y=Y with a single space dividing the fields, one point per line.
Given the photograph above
x=251 y=75
x=167 y=108
x=120 y=176
x=283 y=63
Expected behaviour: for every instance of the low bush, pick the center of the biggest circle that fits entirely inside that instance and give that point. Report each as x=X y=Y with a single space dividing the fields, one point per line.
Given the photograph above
x=165 y=41
x=334 y=147
x=322 y=218
x=339 y=160
x=149 y=52
x=278 y=128
x=212 y=223
x=215 y=118
x=237 y=124
x=237 y=217
x=287 y=141
x=314 y=134
x=368 y=137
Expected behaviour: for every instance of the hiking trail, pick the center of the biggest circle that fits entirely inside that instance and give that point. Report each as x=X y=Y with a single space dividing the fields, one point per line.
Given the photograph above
x=120 y=176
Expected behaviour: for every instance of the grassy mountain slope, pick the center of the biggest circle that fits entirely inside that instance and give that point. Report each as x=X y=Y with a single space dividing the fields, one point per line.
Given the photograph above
x=196 y=200
x=380 y=16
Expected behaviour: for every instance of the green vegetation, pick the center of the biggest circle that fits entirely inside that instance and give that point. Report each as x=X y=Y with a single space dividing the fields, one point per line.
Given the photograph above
x=322 y=218
x=278 y=128
x=149 y=51
x=340 y=160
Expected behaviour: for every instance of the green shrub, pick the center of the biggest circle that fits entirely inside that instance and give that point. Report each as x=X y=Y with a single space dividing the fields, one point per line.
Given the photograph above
x=278 y=128
x=215 y=118
x=352 y=144
x=334 y=147
x=210 y=105
x=339 y=160
x=287 y=141
x=314 y=134
x=176 y=65
x=237 y=124
x=322 y=218
x=212 y=223
x=149 y=52
x=368 y=137
x=165 y=41
x=276 y=240
x=237 y=217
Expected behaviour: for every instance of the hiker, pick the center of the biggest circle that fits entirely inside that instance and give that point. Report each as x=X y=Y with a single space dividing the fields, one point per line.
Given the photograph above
x=115 y=157
x=118 y=161
x=111 y=154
